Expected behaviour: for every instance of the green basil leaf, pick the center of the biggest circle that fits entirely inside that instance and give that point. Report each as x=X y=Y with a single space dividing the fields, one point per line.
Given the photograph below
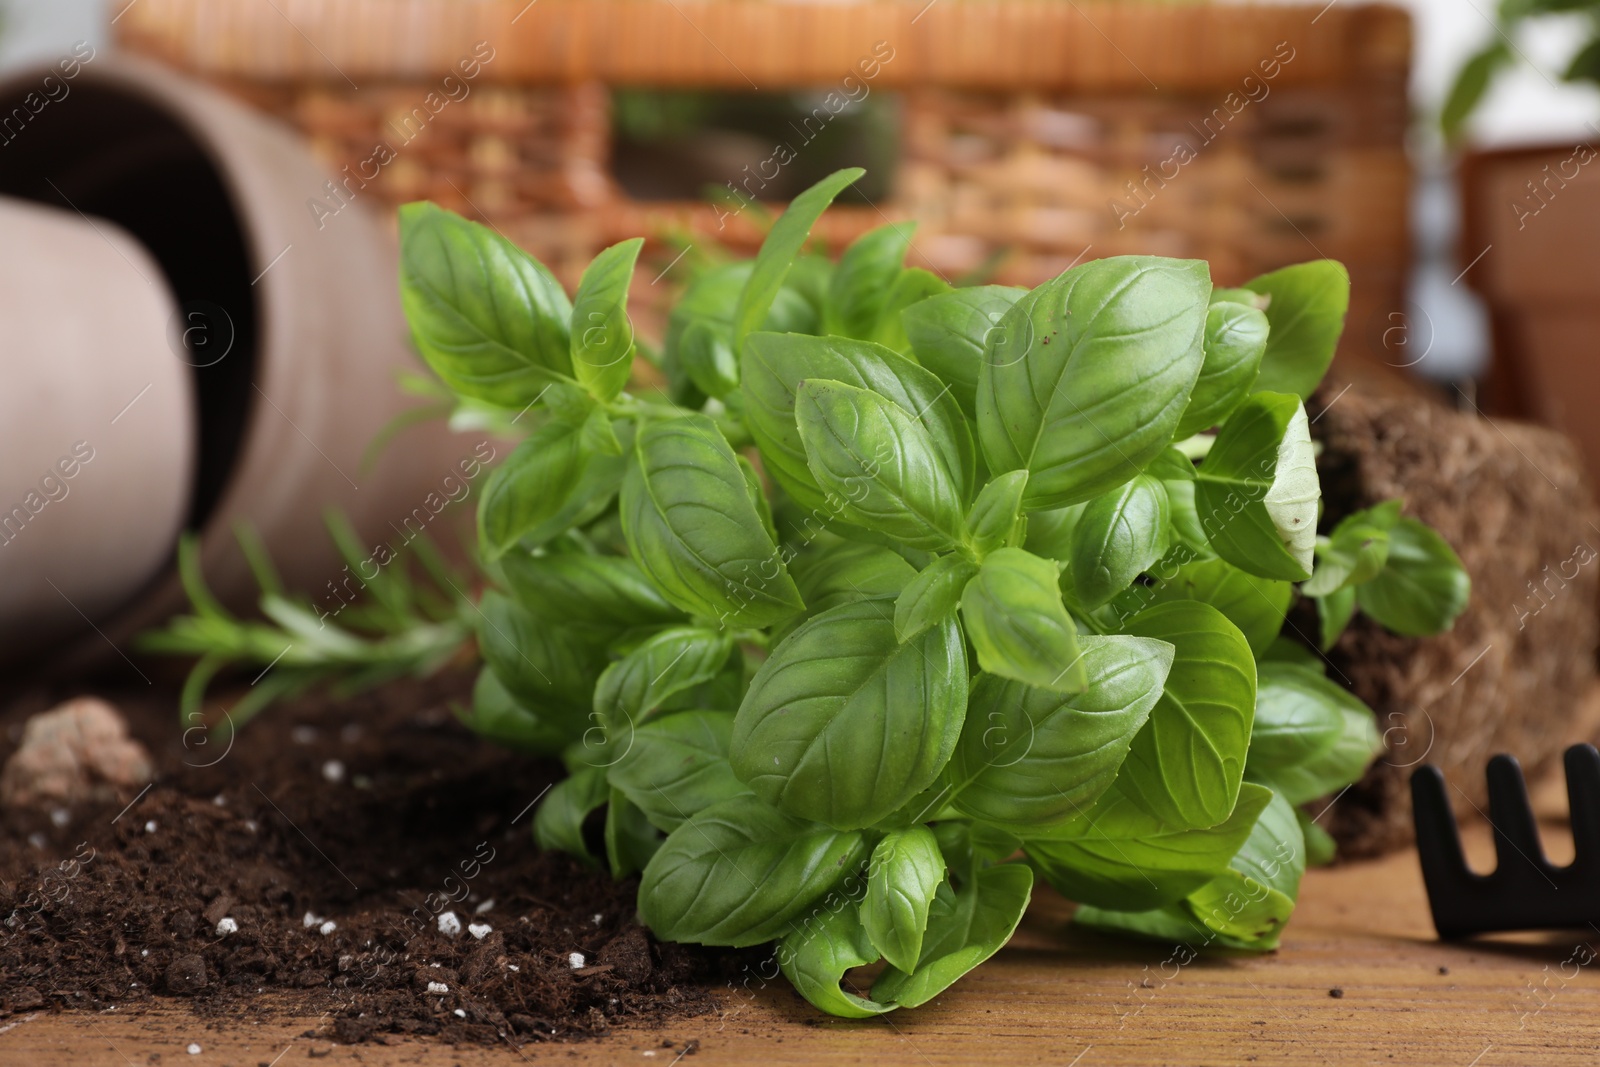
x=1171 y=467
x=690 y=525
x=1299 y=713
x=880 y=463
x=1422 y=587
x=547 y=667
x=949 y=334
x=913 y=286
x=635 y=687
x=969 y=847
x=1173 y=925
x=1321 y=848
x=1029 y=757
x=1333 y=767
x=1257 y=606
x=1089 y=374
x=1176 y=474
x=1253 y=899
x=678 y=766
x=1353 y=555
x=602 y=333
x=1018 y=624
x=816 y=955
x=1120 y=534
x=548 y=484
x=710 y=300
x=1257 y=490
x=497 y=715
x=1240 y=296
x=708 y=359
x=1305 y=315
x=572 y=589
x=1471 y=82
x=860 y=285
x=808 y=279
x=1050 y=533
x=1235 y=338
x=1334 y=612
x=630 y=839
x=758 y=496
x=995 y=517
x=783 y=243
x=932 y=596
x=1285 y=649
x=843 y=724
x=489 y=319
x=772 y=367
x=965 y=928
x=849 y=571
x=558 y=822
x=906 y=869
x=1355 y=551
x=738 y=872
x=1185 y=766
x=598 y=433
x=1121 y=857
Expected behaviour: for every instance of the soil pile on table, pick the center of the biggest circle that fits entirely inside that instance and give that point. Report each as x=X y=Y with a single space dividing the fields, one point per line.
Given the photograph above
x=318 y=859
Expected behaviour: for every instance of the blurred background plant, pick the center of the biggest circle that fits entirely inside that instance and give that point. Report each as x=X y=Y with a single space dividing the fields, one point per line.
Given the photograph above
x=1577 y=20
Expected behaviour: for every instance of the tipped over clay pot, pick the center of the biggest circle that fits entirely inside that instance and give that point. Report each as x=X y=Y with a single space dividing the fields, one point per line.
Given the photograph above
x=272 y=350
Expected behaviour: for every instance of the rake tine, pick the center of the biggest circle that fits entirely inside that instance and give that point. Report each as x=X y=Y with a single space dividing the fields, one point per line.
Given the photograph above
x=1582 y=764
x=1516 y=834
x=1444 y=866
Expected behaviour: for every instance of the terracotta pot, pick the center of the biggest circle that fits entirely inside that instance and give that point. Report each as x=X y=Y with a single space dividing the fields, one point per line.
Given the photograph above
x=96 y=425
x=291 y=329
x=1532 y=217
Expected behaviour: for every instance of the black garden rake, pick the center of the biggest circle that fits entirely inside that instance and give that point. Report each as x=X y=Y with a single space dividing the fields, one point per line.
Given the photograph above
x=1525 y=891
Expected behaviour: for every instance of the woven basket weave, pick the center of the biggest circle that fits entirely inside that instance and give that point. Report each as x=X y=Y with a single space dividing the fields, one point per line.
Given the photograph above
x=1023 y=121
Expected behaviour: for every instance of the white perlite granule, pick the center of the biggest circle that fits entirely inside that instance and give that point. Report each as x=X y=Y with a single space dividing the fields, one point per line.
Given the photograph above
x=438 y=987
x=449 y=924
x=479 y=930
x=327 y=928
x=226 y=926
x=576 y=960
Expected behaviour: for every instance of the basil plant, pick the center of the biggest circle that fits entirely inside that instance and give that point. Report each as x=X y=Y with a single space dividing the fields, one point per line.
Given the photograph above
x=890 y=598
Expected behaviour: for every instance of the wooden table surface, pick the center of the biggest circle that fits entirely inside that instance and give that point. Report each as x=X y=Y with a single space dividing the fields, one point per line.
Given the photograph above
x=1053 y=996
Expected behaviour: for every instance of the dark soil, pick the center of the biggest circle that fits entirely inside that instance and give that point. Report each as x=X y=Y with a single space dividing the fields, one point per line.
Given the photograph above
x=375 y=813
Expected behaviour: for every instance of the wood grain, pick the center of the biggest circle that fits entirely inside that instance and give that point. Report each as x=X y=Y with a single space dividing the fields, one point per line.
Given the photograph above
x=1054 y=995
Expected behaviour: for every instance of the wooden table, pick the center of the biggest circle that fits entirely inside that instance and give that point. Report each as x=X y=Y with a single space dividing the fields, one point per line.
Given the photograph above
x=1360 y=979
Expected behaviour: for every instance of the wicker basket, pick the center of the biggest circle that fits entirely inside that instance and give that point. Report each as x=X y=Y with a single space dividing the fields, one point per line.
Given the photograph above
x=1024 y=123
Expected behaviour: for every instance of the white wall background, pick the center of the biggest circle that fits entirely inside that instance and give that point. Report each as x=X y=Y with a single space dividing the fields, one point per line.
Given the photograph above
x=1524 y=106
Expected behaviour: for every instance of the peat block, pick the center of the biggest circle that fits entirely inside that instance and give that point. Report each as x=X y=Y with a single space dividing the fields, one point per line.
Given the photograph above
x=1515 y=503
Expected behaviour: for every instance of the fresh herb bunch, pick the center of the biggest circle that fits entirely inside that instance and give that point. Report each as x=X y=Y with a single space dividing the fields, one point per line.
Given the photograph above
x=903 y=583
x=902 y=594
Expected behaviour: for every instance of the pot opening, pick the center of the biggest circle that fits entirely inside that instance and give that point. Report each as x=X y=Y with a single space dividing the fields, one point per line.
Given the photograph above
x=105 y=152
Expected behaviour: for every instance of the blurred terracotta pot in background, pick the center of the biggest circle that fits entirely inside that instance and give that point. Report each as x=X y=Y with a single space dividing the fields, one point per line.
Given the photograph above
x=270 y=345
x=1532 y=215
